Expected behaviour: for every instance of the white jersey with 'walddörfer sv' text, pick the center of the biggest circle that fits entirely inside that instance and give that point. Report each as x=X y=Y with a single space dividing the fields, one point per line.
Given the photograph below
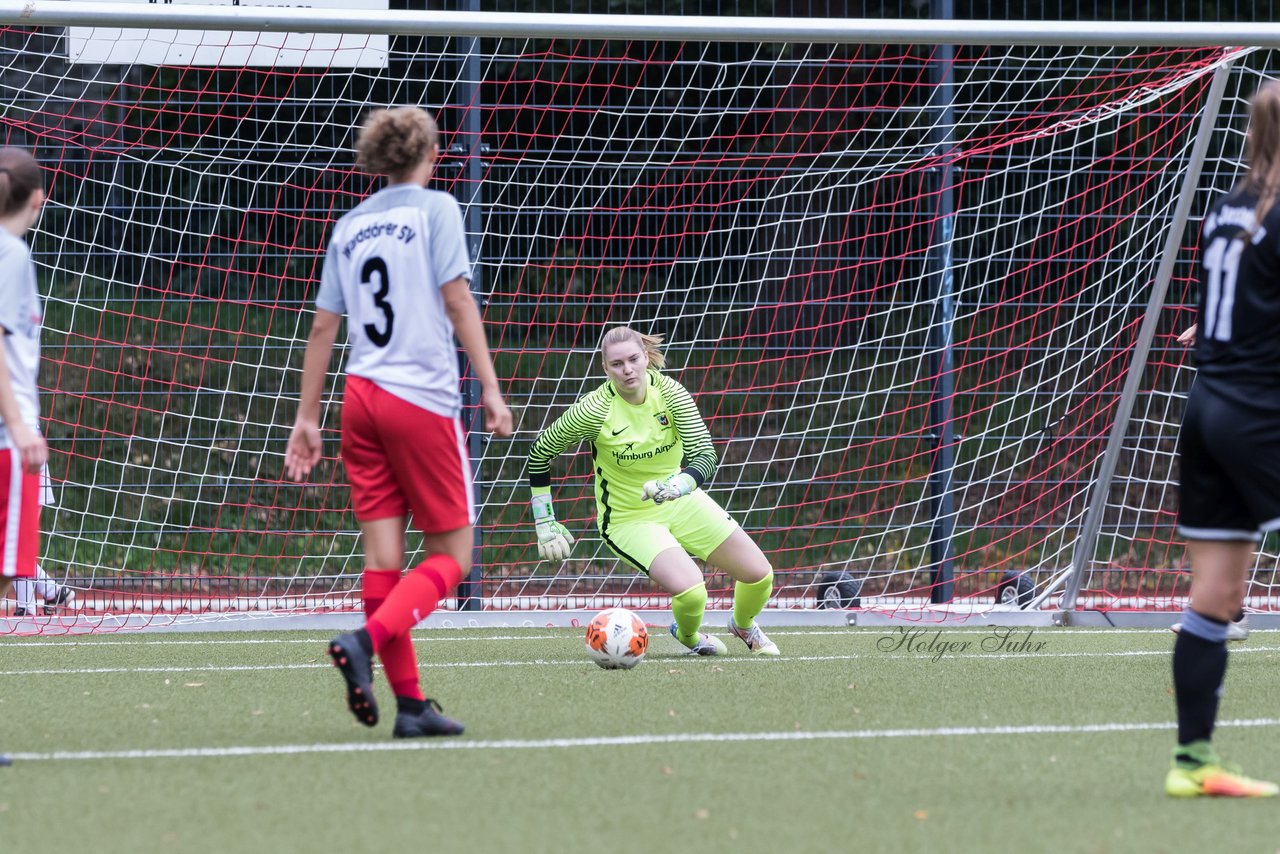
x=387 y=260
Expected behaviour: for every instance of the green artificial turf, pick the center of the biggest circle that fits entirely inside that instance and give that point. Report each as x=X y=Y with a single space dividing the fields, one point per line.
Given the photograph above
x=853 y=740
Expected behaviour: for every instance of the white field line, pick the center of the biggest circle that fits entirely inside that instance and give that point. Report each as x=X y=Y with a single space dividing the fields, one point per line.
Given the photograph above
x=617 y=741
x=15 y=644
x=658 y=661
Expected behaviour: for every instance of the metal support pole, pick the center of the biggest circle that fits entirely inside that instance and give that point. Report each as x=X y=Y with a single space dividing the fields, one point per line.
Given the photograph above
x=1087 y=541
x=941 y=332
x=470 y=591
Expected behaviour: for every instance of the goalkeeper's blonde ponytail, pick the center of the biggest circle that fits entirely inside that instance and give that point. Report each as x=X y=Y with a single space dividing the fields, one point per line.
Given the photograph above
x=651 y=344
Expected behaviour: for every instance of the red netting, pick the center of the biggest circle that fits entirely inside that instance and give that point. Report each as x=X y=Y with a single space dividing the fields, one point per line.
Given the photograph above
x=906 y=316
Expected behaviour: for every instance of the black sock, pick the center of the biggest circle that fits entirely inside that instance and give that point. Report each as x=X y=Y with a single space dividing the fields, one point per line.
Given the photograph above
x=410 y=705
x=366 y=642
x=1199 y=667
x=1239 y=616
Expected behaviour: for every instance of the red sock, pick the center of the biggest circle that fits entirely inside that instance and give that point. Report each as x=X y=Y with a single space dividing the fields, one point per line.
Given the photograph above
x=398 y=658
x=416 y=596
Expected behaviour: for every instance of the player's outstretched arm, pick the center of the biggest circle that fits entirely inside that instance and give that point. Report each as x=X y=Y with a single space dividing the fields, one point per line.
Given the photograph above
x=700 y=461
x=700 y=455
x=468 y=326
x=554 y=540
x=579 y=423
x=303 y=451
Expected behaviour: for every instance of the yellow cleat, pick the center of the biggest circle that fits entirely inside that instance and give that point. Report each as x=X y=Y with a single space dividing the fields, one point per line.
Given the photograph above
x=1213 y=780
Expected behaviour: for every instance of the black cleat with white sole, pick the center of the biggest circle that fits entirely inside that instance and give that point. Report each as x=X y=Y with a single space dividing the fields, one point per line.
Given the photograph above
x=64 y=599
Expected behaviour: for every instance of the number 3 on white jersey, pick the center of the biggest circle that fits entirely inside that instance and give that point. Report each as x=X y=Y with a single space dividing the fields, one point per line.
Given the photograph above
x=374 y=272
x=1222 y=263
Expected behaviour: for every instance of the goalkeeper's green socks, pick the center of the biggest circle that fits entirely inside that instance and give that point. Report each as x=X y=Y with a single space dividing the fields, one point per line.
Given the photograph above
x=749 y=600
x=688 y=608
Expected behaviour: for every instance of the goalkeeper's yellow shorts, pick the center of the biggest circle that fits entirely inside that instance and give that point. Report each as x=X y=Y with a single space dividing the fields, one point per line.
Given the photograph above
x=694 y=523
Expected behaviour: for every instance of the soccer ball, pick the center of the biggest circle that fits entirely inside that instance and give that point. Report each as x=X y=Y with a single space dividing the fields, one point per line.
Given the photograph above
x=617 y=639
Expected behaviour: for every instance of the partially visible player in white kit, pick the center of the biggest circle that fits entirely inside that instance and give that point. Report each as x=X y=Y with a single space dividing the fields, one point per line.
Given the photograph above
x=397 y=267
x=22 y=448
x=25 y=590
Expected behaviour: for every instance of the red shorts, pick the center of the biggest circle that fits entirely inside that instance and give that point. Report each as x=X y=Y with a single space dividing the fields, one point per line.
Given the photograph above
x=403 y=458
x=19 y=517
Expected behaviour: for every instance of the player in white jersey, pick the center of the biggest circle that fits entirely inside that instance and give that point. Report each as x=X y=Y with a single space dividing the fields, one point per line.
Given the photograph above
x=397 y=267
x=22 y=448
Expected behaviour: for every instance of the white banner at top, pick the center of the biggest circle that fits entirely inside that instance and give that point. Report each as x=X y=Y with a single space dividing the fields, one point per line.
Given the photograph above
x=228 y=49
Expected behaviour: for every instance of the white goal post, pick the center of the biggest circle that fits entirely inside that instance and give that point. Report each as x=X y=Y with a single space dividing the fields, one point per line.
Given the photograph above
x=718 y=28
x=923 y=278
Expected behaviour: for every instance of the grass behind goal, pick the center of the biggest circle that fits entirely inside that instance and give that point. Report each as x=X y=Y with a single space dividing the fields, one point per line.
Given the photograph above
x=869 y=740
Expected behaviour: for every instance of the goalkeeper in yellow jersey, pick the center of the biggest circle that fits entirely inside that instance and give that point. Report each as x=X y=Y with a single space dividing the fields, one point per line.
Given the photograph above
x=652 y=452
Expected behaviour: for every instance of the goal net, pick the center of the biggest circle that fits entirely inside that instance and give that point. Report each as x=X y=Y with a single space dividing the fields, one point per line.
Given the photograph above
x=903 y=282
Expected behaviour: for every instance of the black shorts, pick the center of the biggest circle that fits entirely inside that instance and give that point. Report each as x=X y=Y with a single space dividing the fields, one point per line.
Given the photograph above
x=1230 y=461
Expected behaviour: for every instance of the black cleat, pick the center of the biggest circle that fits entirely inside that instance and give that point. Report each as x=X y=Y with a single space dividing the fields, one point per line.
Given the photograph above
x=64 y=598
x=356 y=667
x=21 y=612
x=428 y=722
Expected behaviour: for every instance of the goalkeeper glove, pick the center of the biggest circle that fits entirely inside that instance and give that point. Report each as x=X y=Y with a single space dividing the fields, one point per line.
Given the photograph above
x=677 y=486
x=554 y=539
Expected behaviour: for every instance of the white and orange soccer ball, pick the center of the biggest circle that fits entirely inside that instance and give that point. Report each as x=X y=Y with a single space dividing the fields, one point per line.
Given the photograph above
x=617 y=639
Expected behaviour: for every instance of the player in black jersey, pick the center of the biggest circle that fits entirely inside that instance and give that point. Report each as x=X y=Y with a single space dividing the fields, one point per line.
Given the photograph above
x=1229 y=446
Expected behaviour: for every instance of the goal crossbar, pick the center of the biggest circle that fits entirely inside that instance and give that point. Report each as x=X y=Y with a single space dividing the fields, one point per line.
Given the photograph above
x=57 y=13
